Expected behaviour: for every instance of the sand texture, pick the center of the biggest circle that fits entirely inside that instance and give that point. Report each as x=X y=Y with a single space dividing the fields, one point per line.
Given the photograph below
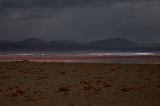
x=79 y=84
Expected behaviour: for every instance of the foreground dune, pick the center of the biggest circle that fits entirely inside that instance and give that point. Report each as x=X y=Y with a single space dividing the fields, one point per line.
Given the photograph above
x=79 y=84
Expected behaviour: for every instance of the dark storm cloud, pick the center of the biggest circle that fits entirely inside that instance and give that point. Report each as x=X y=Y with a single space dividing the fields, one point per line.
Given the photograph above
x=81 y=20
x=57 y=3
x=41 y=3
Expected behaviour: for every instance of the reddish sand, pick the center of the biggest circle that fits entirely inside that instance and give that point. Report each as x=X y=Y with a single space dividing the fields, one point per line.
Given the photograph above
x=79 y=84
x=79 y=57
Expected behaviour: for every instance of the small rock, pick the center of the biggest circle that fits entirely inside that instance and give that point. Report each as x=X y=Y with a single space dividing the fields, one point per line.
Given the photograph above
x=88 y=87
x=126 y=89
x=105 y=83
x=64 y=89
x=17 y=92
x=86 y=81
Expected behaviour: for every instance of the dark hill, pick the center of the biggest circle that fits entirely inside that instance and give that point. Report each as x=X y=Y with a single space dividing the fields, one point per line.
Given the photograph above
x=113 y=44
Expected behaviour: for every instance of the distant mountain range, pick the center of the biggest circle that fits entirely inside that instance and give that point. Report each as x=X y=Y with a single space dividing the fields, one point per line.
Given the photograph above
x=112 y=44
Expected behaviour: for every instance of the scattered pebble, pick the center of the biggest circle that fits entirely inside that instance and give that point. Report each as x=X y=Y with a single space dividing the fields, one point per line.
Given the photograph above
x=17 y=92
x=126 y=89
x=86 y=81
x=64 y=89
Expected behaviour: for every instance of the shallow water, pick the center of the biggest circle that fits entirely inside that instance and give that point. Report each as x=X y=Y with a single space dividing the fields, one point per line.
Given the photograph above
x=150 y=61
x=86 y=53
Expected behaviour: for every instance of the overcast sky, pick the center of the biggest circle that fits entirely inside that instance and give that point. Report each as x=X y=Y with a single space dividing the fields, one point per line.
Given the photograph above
x=80 y=20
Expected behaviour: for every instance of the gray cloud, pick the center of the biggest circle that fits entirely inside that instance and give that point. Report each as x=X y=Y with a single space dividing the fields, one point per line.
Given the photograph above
x=80 y=20
x=60 y=3
x=41 y=3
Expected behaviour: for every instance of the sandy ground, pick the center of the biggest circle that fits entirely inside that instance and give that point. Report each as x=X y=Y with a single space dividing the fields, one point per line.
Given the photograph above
x=79 y=84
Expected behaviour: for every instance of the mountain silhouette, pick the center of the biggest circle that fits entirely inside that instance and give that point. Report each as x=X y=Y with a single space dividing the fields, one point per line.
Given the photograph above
x=31 y=41
x=3 y=42
x=112 y=44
